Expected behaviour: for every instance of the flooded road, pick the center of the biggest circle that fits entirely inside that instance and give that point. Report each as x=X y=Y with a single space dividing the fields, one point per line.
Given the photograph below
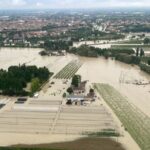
x=96 y=70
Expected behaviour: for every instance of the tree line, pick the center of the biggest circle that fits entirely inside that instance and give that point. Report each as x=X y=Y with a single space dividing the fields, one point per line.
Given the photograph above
x=126 y=55
x=90 y=51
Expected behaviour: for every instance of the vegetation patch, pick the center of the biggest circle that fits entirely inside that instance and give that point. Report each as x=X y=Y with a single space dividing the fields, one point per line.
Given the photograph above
x=145 y=67
x=15 y=80
x=89 y=51
x=87 y=33
x=90 y=143
x=129 y=59
x=105 y=133
x=53 y=45
x=69 y=70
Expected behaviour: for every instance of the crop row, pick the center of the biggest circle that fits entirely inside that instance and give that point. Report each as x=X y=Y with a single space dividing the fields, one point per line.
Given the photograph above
x=69 y=70
x=133 y=119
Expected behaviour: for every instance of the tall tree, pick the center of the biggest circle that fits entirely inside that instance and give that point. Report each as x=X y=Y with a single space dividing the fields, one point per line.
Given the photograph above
x=137 y=52
x=148 y=62
x=146 y=41
x=76 y=80
x=142 y=53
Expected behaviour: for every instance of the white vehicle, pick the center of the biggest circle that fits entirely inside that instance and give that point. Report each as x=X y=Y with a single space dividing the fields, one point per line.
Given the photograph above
x=36 y=95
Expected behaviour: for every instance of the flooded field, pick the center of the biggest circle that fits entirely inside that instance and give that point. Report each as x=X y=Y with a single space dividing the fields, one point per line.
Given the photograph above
x=121 y=76
x=96 y=70
x=30 y=56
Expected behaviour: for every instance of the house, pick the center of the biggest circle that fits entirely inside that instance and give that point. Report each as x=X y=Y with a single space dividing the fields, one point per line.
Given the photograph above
x=80 y=89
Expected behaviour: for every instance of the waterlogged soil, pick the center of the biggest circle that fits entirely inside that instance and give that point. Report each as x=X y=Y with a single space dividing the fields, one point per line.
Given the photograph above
x=81 y=144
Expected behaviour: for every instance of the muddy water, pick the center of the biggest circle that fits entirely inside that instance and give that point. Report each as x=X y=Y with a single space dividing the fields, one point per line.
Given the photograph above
x=30 y=56
x=16 y=56
x=98 y=70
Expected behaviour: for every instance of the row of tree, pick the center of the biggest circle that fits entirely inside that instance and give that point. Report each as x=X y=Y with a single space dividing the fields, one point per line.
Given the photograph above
x=125 y=55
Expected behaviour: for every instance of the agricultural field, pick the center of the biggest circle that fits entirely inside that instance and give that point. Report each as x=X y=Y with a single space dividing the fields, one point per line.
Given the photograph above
x=134 y=121
x=32 y=118
x=44 y=116
x=145 y=47
x=85 y=121
x=69 y=70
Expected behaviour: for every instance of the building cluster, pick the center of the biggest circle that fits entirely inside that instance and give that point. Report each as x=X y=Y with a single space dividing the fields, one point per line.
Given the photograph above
x=121 y=22
x=22 y=24
x=31 y=30
x=81 y=95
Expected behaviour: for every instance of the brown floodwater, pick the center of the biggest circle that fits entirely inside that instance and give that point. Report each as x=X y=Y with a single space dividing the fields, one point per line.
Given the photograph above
x=118 y=74
x=30 y=56
x=96 y=70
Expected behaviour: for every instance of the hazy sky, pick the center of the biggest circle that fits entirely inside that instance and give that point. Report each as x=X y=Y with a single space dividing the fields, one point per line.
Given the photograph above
x=72 y=3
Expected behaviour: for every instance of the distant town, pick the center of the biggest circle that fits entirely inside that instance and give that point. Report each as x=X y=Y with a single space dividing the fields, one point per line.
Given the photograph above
x=33 y=29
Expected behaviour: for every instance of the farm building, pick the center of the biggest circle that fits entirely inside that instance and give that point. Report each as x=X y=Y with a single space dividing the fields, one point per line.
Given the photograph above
x=79 y=99
x=75 y=98
x=80 y=89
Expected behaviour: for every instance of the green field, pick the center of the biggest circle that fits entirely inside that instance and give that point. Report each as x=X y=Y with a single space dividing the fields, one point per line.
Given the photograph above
x=134 y=121
x=145 y=47
x=69 y=70
x=131 y=42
